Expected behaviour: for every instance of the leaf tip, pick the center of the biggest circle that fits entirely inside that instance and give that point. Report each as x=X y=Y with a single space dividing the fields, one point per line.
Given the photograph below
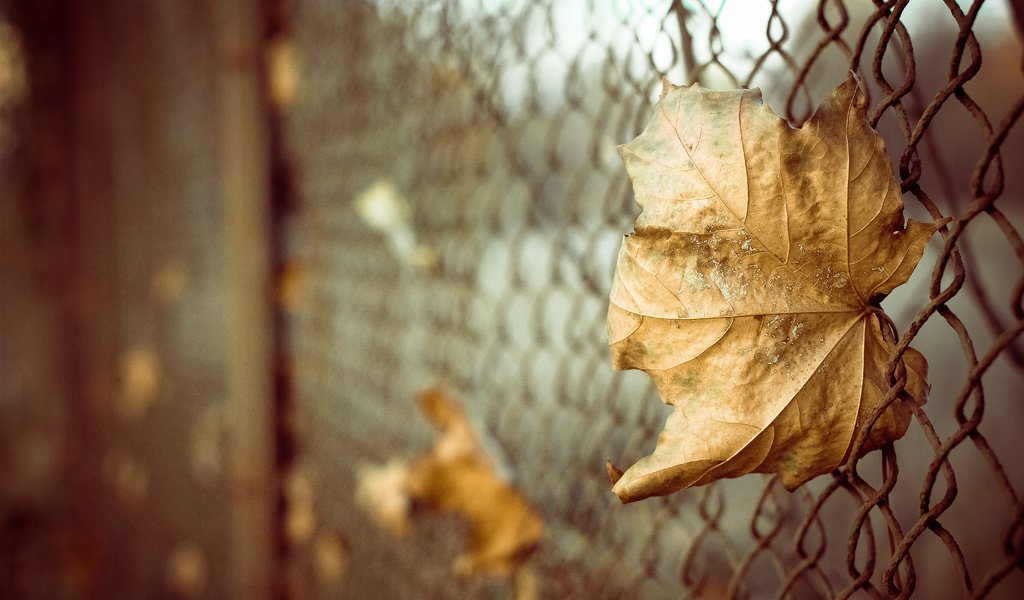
x=926 y=230
x=614 y=473
x=666 y=87
x=846 y=97
x=439 y=408
x=791 y=481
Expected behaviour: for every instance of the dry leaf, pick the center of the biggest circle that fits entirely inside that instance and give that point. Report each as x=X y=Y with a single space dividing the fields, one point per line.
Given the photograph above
x=748 y=289
x=458 y=476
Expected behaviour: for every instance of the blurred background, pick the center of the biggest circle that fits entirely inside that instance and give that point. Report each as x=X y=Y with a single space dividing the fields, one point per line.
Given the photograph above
x=240 y=237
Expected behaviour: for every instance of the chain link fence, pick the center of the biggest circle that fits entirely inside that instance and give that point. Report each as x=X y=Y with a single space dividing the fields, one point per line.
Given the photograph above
x=489 y=129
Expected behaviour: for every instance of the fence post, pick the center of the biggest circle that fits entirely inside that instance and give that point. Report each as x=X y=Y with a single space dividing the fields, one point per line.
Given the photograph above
x=245 y=198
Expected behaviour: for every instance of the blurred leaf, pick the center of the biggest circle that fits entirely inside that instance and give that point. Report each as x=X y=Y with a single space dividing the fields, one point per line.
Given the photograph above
x=748 y=289
x=457 y=476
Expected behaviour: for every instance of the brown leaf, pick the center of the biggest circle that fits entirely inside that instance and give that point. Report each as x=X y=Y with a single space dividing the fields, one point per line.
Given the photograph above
x=458 y=476
x=747 y=291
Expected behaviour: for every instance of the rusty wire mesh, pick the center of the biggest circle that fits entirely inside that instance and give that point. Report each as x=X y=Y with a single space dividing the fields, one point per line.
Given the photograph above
x=496 y=122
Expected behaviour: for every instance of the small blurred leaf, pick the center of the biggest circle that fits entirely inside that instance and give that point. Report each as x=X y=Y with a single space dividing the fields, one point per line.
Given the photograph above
x=455 y=476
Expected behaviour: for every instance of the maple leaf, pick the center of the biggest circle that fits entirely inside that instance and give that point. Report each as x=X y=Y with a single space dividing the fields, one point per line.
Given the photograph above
x=457 y=476
x=748 y=290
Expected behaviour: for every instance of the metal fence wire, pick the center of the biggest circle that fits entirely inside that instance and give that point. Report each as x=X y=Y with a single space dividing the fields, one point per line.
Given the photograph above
x=457 y=204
